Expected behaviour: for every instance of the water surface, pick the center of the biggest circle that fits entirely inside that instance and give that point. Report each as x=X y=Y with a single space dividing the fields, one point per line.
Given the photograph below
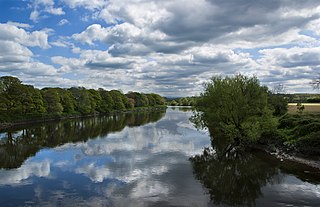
x=140 y=160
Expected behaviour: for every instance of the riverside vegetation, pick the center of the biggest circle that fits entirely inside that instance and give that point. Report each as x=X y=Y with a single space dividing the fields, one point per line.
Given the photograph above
x=241 y=114
x=20 y=102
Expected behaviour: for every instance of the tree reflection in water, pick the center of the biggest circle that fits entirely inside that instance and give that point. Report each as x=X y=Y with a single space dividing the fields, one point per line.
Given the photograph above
x=17 y=144
x=232 y=180
x=235 y=178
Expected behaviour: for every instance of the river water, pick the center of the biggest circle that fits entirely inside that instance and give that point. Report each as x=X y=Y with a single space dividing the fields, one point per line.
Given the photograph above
x=141 y=159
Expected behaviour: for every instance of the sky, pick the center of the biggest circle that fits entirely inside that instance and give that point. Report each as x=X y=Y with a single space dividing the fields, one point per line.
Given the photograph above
x=169 y=47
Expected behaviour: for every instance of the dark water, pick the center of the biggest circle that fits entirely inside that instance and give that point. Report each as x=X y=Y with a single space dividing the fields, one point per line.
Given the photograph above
x=141 y=160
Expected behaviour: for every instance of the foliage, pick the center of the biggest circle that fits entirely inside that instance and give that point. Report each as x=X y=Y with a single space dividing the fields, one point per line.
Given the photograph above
x=313 y=100
x=184 y=101
x=145 y=100
x=173 y=103
x=302 y=98
x=21 y=102
x=239 y=106
x=52 y=101
x=278 y=103
x=300 y=107
x=301 y=132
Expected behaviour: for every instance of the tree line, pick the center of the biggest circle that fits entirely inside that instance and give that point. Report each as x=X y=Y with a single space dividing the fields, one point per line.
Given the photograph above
x=184 y=101
x=19 y=101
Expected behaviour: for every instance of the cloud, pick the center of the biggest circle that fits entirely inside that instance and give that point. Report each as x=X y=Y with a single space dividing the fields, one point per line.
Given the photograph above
x=27 y=170
x=18 y=24
x=55 y=11
x=34 y=16
x=15 y=56
x=12 y=33
x=44 y=6
x=92 y=33
x=179 y=47
x=292 y=57
x=203 y=21
x=63 y=22
x=13 y=52
x=96 y=174
x=173 y=47
x=91 y=5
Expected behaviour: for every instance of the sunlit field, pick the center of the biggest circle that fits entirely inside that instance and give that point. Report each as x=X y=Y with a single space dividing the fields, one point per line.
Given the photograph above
x=308 y=107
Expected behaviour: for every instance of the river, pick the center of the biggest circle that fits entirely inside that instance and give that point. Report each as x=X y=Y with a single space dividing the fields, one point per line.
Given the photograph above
x=141 y=159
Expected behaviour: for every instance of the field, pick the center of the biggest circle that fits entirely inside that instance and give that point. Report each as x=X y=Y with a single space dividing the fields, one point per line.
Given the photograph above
x=308 y=107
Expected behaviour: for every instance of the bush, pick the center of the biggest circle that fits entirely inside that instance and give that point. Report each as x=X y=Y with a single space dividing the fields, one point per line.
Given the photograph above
x=302 y=132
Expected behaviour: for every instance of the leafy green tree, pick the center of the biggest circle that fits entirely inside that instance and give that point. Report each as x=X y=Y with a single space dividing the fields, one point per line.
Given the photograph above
x=96 y=100
x=125 y=101
x=19 y=100
x=67 y=100
x=151 y=100
x=83 y=100
x=173 y=103
x=278 y=104
x=239 y=106
x=131 y=103
x=37 y=106
x=117 y=97
x=184 y=102
x=141 y=100
x=107 y=101
x=159 y=100
x=52 y=101
x=8 y=81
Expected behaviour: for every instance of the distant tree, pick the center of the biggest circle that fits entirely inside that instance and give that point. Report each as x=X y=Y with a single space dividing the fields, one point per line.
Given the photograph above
x=151 y=100
x=37 y=106
x=300 y=107
x=118 y=100
x=173 y=103
x=83 y=100
x=96 y=100
x=184 y=101
x=67 y=100
x=8 y=81
x=278 y=103
x=141 y=100
x=52 y=101
x=159 y=100
x=107 y=101
x=131 y=103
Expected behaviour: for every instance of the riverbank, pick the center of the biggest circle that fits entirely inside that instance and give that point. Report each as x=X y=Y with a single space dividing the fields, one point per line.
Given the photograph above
x=285 y=156
x=44 y=119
